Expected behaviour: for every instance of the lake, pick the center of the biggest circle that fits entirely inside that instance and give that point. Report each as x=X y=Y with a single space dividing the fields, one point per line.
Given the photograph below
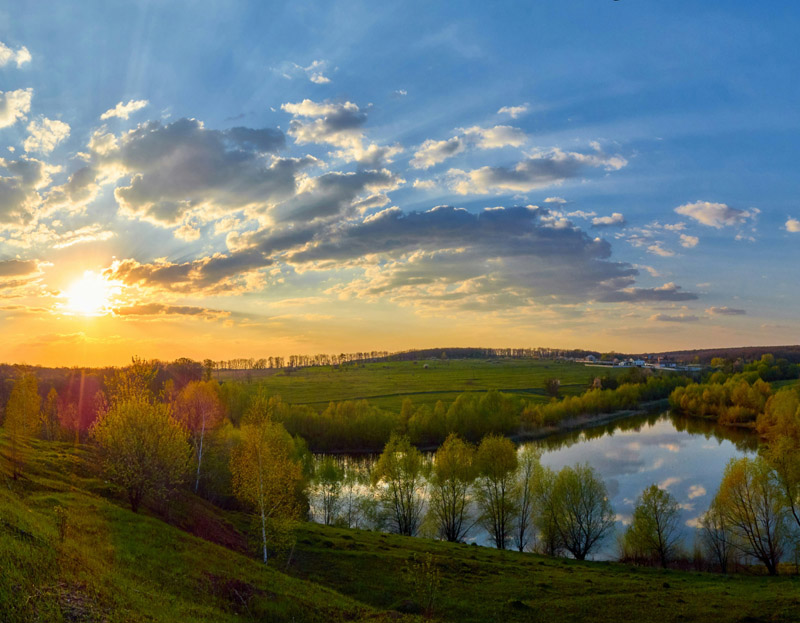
x=683 y=455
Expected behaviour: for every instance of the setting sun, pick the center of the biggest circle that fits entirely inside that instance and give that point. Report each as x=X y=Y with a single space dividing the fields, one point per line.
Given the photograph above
x=90 y=295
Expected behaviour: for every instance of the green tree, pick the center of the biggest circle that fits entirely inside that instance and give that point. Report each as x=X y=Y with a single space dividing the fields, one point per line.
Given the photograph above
x=582 y=514
x=132 y=383
x=496 y=487
x=552 y=387
x=327 y=485
x=529 y=472
x=452 y=474
x=400 y=470
x=751 y=504
x=22 y=417
x=548 y=539
x=199 y=409
x=144 y=450
x=655 y=529
x=49 y=417
x=265 y=476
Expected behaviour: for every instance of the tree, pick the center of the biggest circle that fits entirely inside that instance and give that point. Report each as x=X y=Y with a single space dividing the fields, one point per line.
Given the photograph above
x=582 y=515
x=264 y=474
x=545 y=518
x=328 y=483
x=144 y=450
x=715 y=535
x=22 y=417
x=496 y=462
x=751 y=504
x=132 y=383
x=401 y=470
x=200 y=410
x=528 y=474
x=49 y=417
x=655 y=529
x=551 y=387
x=452 y=474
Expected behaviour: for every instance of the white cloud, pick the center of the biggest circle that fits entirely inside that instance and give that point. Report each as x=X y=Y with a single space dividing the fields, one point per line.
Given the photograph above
x=609 y=221
x=424 y=184
x=696 y=491
x=123 y=111
x=514 y=111
x=315 y=72
x=45 y=134
x=14 y=105
x=433 y=152
x=496 y=137
x=20 y=56
x=689 y=242
x=668 y=482
x=657 y=249
x=793 y=225
x=555 y=200
x=717 y=215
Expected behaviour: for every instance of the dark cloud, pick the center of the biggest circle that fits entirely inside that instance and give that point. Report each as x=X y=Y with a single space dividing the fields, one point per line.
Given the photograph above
x=159 y=309
x=667 y=292
x=676 y=318
x=725 y=311
x=15 y=268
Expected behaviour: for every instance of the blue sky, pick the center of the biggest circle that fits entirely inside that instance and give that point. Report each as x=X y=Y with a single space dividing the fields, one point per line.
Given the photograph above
x=247 y=179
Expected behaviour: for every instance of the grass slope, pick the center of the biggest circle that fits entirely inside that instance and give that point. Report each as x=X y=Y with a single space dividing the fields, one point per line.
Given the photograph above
x=386 y=384
x=118 y=566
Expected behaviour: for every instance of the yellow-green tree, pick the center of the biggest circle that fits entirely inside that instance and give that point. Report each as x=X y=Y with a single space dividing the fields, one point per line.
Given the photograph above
x=654 y=532
x=496 y=487
x=144 y=449
x=132 y=383
x=751 y=504
x=22 y=417
x=451 y=477
x=200 y=410
x=400 y=471
x=50 y=423
x=264 y=474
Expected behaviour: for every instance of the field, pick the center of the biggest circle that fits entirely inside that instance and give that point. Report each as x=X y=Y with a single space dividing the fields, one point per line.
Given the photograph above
x=115 y=565
x=387 y=384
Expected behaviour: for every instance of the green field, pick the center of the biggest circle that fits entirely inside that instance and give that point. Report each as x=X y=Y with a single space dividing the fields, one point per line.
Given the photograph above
x=387 y=384
x=115 y=565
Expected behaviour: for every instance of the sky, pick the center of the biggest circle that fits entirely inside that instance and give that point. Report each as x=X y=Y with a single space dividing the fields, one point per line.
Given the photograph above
x=250 y=179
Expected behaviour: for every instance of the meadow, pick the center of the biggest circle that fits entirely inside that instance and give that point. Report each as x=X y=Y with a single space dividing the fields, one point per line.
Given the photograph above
x=387 y=384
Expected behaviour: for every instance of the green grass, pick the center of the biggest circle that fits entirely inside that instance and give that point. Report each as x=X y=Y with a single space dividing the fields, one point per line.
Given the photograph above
x=387 y=384
x=115 y=565
x=119 y=566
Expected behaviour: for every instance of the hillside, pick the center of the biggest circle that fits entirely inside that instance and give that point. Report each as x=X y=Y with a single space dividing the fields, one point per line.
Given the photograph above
x=118 y=566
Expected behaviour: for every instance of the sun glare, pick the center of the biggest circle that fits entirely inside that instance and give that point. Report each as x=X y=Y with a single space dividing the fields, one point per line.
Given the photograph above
x=90 y=295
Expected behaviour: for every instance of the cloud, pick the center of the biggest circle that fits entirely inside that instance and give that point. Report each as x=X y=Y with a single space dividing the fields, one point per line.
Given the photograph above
x=14 y=105
x=717 y=215
x=667 y=292
x=725 y=311
x=615 y=220
x=432 y=152
x=560 y=200
x=315 y=72
x=16 y=268
x=181 y=168
x=657 y=249
x=514 y=111
x=339 y=124
x=668 y=482
x=45 y=134
x=20 y=184
x=217 y=274
x=123 y=111
x=498 y=258
x=424 y=184
x=792 y=225
x=696 y=491
x=541 y=170
x=20 y=56
x=677 y=318
x=159 y=309
x=689 y=242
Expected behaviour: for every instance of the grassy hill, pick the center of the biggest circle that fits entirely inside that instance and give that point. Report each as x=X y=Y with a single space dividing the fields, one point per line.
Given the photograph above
x=387 y=384
x=118 y=566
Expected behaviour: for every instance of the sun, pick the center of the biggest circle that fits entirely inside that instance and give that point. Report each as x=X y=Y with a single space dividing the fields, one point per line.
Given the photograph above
x=91 y=295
